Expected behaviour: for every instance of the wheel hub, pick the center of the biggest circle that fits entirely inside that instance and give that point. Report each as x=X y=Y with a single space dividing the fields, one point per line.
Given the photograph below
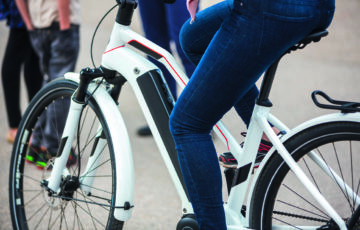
x=68 y=186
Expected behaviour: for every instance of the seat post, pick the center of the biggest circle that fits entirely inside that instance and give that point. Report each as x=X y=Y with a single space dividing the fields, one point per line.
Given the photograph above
x=263 y=98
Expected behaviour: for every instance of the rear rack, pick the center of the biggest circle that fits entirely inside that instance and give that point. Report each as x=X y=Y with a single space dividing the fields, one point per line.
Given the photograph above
x=343 y=106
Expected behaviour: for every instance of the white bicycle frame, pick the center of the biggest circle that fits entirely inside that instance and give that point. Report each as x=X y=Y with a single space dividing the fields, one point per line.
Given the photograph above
x=119 y=57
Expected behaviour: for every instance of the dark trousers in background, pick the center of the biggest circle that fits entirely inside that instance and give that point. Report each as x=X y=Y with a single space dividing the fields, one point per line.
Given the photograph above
x=58 y=52
x=18 y=53
x=162 y=24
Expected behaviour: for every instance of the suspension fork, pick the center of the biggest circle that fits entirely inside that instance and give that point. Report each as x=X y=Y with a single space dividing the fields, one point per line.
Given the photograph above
x=52 y=184
x=87 y=177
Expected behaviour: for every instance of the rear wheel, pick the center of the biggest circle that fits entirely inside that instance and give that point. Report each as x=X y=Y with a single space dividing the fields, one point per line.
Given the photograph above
x=80 y=205
x=280 y=201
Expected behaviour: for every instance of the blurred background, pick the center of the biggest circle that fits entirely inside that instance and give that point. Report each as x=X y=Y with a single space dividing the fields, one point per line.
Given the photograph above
x=333 y=65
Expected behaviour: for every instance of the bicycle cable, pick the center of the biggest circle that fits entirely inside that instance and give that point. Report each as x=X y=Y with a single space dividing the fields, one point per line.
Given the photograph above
x=93 y=63
x=96 y=29
x=87 y=101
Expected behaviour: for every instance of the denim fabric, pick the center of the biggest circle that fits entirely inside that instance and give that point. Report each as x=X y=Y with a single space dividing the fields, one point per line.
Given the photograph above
x=196 y=38
x=58 y=52
x=162 y=23
x=233 y=44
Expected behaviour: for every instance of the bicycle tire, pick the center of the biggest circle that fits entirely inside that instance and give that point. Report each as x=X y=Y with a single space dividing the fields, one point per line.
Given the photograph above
x=30 y=205
x=280 y=200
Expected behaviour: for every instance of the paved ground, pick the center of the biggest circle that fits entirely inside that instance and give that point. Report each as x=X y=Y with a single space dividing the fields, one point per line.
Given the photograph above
x=332 y=65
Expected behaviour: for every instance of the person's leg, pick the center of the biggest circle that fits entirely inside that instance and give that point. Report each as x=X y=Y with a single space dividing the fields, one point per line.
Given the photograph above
x=177 y=15
x=154 y=22
x=64 y=53
x=153 y=19
x=195 y=39
x=16 y=51
x=39 y=41
x=239 y=53
x=32 y=73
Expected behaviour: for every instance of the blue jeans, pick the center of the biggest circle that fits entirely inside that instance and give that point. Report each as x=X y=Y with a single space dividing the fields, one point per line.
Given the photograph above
x=232 y=43
x=162 y=23
x=58 y=52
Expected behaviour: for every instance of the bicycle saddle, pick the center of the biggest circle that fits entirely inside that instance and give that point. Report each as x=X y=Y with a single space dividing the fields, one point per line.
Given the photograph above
x=312 y=37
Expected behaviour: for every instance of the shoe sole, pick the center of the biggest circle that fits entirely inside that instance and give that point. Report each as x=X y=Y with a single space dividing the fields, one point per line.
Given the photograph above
x=228 y=166
x=256 y=165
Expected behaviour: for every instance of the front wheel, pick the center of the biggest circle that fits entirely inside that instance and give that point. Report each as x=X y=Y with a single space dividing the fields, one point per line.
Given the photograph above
x=280 y=200
x=80 y=204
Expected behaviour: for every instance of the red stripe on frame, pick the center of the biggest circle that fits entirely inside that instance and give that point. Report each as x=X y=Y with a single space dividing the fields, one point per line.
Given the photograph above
x=177 y=74
x=113 y=49
x=165 y=60
x=227 y=143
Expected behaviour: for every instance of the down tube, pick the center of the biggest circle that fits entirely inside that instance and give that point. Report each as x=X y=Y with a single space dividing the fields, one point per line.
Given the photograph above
x=160 y=105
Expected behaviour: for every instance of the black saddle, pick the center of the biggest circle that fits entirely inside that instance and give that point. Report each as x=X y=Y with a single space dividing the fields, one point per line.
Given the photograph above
x=313 y=37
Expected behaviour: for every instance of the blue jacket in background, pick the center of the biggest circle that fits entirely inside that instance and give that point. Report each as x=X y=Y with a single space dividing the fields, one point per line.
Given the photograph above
x=10 y=12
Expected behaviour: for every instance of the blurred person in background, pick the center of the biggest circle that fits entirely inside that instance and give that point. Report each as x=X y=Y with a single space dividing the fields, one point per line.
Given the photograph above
x=18 y=53
x=162 y=23
x=54 y=33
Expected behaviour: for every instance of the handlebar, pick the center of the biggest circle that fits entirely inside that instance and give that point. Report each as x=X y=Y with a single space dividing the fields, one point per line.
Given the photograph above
x=126 y=10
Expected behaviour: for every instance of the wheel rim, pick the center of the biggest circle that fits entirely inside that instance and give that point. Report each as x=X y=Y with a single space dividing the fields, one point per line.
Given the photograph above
x=35 y=209
x=294 y=207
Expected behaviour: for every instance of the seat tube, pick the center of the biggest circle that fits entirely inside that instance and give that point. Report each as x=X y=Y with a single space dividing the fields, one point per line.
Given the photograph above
x=266 y=85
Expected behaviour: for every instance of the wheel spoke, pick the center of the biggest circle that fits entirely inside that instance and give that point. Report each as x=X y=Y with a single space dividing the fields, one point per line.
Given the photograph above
x=104 y=207
x=311 y=174
x=36 y=212
x=303 y=198
x=96 y=188
x=299 y=208
x=51 y=212
x=342 y=177
x=333 y=177
x=77 y=215
x=97 y=157
x=284 y=222
x=31 y=178
x=98 y=166
x=83 y=122
x=37 y=209
x=352 y=174
x=93 y=219
x=91 y=128
x=33 y=198
x=41 y=218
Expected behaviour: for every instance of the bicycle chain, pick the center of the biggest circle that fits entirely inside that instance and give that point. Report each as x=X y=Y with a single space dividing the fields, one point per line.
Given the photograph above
x=300 y=216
